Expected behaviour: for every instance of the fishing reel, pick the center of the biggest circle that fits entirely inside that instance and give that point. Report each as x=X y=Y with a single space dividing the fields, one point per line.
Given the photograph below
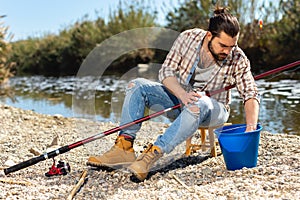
x=62 y=168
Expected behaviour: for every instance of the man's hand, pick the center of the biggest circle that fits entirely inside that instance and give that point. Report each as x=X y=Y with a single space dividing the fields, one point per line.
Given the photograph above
x=185 y=97
x=189 y=97
x=251 y=127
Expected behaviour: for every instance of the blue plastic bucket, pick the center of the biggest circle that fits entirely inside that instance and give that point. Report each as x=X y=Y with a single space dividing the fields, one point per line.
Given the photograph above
x=239 y=148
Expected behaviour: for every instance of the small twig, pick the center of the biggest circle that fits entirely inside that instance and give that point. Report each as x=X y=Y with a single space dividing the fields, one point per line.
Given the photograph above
x=182 y=183
x=78 y=185
x=35 y=151
x=15 y=182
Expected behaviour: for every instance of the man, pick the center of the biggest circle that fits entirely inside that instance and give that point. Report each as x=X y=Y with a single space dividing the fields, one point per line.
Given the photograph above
x=198 y=61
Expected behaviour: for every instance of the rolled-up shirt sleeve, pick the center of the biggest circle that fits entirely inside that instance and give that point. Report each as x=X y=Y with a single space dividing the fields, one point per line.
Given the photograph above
x=245 y=82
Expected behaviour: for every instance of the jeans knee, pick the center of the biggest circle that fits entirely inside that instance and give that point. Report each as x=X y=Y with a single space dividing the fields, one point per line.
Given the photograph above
x=135 y=82
x=135 y=86
x=130 y=85
x=194 y=109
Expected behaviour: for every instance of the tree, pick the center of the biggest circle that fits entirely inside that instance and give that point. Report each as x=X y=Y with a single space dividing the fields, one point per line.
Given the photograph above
x=57 y=55
x=286 y=33
x=264 y=47
x=190 y=14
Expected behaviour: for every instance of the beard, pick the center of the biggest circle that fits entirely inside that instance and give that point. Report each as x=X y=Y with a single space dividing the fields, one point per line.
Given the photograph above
x=217 y=56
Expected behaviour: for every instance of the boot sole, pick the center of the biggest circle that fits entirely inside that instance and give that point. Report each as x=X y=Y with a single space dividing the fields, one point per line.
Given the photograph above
x=112 y=166
x=136 y=175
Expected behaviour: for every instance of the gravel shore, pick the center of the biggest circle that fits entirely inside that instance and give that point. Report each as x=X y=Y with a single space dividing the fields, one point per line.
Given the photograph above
x=277 y=175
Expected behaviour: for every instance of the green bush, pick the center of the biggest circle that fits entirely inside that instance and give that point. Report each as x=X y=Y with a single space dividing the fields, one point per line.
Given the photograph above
x=275 y=45
x=56 y=55
x=5 y=48
x=62 y=54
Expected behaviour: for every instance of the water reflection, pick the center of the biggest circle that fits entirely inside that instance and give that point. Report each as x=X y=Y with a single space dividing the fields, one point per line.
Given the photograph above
x=279 y=109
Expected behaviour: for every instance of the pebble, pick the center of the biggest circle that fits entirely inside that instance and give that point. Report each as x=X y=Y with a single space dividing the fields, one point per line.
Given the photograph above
x=9 y=163
x=277 y=175
x=2 y=173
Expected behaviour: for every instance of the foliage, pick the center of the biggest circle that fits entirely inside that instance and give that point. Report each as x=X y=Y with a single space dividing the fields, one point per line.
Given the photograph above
x=190 y=14
x=5 y=48
x=276 y=44
x=285 y=34
x=56 y=55
x=267 y=47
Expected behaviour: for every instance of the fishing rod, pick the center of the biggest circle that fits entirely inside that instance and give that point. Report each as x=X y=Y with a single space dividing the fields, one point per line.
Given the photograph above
x=262 y=75
x=67 y=148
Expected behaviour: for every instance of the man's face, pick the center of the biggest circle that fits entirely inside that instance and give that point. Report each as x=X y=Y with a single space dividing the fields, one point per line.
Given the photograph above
x=221 y=46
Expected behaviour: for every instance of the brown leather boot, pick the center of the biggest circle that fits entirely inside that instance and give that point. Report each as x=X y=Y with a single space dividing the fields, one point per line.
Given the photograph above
x=142 y=165
x=120 y=155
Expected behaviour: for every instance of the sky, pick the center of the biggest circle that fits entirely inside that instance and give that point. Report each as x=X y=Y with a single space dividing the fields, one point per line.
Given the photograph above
x=36 y=18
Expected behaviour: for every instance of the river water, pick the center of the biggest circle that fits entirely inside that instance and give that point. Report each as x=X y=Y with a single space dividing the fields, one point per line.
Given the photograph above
x=279 y=108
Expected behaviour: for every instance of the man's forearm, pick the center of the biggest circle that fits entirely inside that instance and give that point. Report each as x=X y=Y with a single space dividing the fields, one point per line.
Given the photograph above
x=173 y=86
x=251 y=111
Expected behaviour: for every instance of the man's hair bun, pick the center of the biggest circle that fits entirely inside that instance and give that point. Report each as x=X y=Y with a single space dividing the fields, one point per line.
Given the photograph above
x=220 y=10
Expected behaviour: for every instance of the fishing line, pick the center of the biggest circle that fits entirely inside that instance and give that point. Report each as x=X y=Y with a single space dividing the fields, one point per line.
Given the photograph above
x=280 y=73
x=293 y=111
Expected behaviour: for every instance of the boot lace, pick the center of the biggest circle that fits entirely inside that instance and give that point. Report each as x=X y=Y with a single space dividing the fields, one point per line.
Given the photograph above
x=149 y=156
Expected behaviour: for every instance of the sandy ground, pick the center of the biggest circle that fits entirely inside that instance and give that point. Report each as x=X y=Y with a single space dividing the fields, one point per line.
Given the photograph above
x=277 y=175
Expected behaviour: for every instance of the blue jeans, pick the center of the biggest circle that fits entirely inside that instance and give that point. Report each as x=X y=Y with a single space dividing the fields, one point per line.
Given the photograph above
x=142 y=93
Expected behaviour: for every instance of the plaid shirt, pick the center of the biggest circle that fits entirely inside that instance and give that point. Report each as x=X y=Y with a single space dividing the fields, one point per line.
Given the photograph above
x=235 y=69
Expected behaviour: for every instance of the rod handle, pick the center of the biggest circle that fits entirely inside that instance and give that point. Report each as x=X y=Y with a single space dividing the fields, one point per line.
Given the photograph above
x=24 y=164
x=37 y=159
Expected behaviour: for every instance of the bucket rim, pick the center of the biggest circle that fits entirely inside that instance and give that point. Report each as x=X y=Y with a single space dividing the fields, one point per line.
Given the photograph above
x=219 y=131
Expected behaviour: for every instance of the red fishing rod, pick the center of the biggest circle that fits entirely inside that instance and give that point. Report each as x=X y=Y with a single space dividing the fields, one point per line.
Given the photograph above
x=67 y=148
x=273 y=71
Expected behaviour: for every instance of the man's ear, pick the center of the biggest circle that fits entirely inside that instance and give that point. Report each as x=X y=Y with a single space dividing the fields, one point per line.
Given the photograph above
x=209 y=35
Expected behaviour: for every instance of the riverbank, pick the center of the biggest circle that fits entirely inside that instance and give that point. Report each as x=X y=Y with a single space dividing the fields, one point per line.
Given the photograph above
x=277 y=175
